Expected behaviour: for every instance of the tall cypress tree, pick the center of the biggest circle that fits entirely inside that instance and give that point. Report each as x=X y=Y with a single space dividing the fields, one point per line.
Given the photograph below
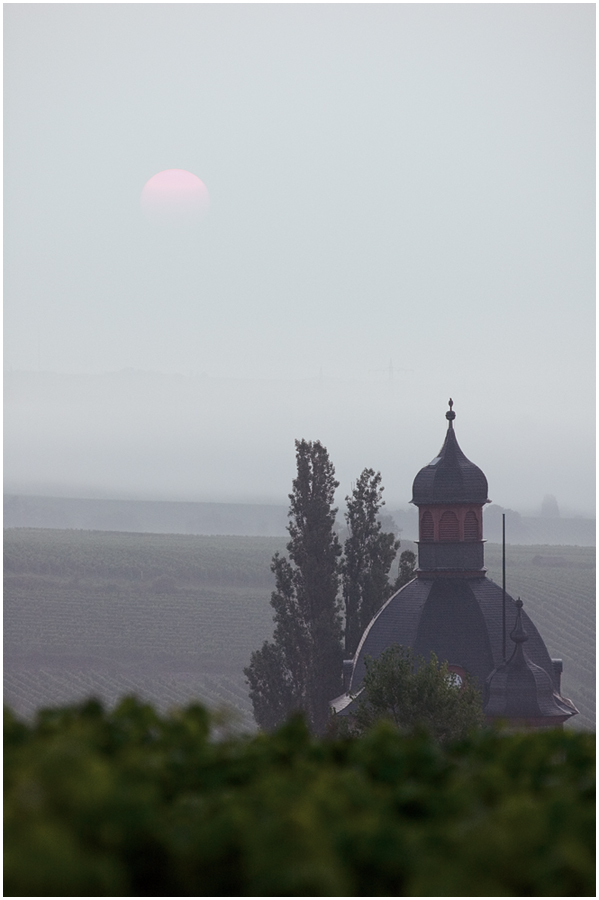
x=301 y=668
x=407 y=569
x=369 y=554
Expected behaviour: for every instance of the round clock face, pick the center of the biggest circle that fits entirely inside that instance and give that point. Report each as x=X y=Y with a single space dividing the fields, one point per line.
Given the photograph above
x=456 y=675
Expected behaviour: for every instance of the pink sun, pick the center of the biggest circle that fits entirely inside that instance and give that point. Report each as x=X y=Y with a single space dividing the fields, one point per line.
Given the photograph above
x=174 y=197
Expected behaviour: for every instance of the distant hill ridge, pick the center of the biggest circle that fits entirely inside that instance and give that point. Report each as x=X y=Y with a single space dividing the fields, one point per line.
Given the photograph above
x=146 y=516
x=187 y=517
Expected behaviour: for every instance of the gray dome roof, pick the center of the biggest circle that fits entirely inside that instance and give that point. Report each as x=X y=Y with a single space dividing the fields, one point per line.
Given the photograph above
x=458 y=619
x=450 y=477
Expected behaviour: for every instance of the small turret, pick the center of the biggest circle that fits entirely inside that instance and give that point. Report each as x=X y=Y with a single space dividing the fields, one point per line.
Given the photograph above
x=522 y=692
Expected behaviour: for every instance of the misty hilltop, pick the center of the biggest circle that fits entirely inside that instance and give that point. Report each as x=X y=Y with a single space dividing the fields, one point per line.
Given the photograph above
x=145 y=435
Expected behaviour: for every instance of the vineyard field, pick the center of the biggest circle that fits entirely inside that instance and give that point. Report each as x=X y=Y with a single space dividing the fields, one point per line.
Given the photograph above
x=176 y=617
x=28 y=690
x=141 y=558
x=167 y=617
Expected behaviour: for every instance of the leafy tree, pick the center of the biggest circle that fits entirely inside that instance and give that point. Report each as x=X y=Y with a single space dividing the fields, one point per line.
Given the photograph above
x=407 y=569
x=131 y=802
x=369 y=554
x=274 y=692
x=414 y=693
x=301 y=668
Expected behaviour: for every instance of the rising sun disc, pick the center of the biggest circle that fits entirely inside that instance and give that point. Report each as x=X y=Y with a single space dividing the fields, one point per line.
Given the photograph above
x=174 y=197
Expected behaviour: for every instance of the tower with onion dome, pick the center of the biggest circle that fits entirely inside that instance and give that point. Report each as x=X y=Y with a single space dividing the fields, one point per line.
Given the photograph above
x=452 y=609
x=450 y=494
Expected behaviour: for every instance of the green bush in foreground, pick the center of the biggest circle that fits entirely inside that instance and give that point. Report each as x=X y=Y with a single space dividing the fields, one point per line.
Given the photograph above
x=129 y=802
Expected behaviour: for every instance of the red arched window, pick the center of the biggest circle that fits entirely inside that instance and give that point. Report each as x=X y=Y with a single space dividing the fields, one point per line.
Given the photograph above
x=427 y=528
x=449 y=529
x=471 y=530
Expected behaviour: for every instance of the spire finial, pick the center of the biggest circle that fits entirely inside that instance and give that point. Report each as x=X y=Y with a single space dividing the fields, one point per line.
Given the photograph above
x=450 y=416
x=518 y=635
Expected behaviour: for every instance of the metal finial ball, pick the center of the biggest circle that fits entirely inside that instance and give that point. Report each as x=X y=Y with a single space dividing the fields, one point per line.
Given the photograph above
x=450 y=415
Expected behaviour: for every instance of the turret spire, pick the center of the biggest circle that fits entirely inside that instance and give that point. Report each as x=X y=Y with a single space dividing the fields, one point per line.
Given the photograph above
x=450 y=416
x=518 y=635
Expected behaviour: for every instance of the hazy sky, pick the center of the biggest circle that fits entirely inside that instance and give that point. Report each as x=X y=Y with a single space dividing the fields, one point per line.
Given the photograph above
x=404 y=183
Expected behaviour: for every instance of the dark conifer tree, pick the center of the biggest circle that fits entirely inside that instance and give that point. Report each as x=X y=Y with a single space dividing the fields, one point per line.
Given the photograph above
x=301 y=668
x=369 y=554
x=407 y=569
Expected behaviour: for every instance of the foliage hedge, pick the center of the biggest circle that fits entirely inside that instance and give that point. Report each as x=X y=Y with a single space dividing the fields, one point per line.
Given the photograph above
x=130 y=803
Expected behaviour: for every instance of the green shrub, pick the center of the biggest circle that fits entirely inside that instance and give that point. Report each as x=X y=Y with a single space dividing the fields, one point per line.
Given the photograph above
x=412 y=692
x=131 y=803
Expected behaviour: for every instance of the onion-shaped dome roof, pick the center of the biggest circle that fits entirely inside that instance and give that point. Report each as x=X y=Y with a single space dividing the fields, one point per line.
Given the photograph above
x=450 y=477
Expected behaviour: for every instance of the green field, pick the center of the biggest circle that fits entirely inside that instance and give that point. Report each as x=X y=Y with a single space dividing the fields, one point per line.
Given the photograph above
x=171 y=617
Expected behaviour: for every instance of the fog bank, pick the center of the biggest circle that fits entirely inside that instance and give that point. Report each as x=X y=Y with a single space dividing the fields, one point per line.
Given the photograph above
x=142 y=435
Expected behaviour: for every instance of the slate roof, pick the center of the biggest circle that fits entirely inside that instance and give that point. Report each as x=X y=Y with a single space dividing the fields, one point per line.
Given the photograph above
x=452 y=625
x=489 y=597
x=459 y=619
x=450 y=477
